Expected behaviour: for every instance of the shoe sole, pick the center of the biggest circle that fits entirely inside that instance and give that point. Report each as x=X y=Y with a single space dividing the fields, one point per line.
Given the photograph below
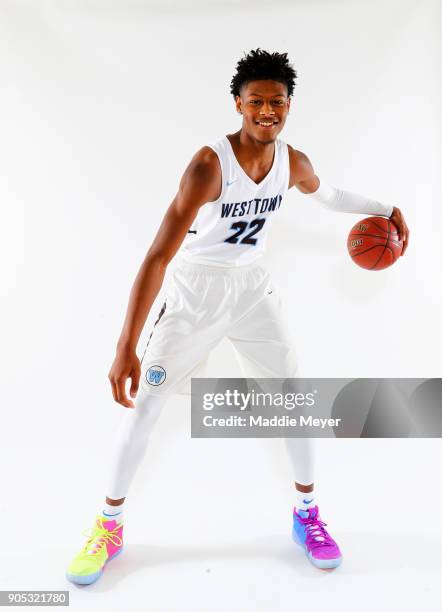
x=319 y=563
x=91 y=578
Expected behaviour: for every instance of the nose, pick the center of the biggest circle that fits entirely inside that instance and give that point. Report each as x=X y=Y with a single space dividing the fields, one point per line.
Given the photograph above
x=266 y=109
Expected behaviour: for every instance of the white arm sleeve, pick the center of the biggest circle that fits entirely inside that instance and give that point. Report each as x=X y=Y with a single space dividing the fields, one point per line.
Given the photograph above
x=345 y=201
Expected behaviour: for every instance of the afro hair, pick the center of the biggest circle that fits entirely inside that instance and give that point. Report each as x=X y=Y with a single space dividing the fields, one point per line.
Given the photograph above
x=262 y=65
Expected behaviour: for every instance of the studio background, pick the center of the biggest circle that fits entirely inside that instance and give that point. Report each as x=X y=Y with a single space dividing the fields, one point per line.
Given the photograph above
x=102 y=106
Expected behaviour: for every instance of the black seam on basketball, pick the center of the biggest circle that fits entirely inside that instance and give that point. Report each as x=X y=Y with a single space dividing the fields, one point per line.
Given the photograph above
x=376 y=236
x=382 y=254
x=395 y=257
x=376 y=246
x=379 y=226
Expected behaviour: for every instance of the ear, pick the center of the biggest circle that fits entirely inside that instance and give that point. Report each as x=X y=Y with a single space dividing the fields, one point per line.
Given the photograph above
x=238 y=104
x=288 y=104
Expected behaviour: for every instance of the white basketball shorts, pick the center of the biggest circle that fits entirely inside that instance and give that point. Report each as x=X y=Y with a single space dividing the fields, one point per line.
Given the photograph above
x=204 y=304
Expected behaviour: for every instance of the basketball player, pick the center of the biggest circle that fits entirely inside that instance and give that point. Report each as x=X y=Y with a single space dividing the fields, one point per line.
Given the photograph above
x=217 y=225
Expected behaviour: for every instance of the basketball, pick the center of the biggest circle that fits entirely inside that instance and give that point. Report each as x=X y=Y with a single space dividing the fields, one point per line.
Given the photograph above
x=374 y=244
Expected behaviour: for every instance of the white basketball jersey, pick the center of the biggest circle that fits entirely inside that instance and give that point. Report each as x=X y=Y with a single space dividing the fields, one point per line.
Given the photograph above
x=232 y=231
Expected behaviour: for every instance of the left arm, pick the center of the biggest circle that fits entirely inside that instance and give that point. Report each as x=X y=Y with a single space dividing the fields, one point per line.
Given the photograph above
x=303 y=177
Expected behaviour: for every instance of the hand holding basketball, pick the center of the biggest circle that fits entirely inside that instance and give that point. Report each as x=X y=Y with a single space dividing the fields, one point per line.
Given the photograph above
x=375 y=243
x=398 y=219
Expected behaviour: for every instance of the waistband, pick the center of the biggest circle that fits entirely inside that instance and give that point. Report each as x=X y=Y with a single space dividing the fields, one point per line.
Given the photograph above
x=200 y=268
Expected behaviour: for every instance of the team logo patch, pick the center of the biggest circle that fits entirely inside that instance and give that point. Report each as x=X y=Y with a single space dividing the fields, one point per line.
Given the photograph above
x=155 y=375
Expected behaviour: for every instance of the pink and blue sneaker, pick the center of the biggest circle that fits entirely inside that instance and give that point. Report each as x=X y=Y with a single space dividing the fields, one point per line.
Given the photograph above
x=310 y=533
x=105 y=542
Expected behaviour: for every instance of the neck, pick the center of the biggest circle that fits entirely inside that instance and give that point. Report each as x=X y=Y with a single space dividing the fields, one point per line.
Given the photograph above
x=251 y=147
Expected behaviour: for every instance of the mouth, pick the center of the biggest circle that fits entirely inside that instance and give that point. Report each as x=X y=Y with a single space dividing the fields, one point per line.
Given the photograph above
x=267 y=125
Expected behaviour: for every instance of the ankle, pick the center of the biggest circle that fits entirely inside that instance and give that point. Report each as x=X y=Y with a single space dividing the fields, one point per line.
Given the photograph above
x=113 y=509
x=304 y=501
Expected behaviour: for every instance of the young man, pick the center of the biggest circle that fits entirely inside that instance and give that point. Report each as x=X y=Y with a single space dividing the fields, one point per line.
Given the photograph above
x=217 y=224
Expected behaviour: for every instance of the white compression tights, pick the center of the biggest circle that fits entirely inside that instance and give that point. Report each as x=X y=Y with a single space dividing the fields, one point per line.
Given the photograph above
x=132 y=439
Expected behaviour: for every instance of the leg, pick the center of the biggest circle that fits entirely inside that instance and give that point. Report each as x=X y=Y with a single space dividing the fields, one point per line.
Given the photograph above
x=301 y=453
x=187 y=328
x=106 y=540
x=132 y=438
x=262 y=342
x=264 y=347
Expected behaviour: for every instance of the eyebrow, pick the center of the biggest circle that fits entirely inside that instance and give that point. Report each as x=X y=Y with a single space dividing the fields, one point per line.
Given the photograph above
x=260 y=95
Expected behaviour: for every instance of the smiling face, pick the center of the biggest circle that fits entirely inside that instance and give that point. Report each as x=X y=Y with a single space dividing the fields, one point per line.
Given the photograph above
x=264 y=106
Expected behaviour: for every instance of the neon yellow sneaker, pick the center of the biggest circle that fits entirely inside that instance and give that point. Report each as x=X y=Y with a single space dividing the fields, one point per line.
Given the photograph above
x=105 y=542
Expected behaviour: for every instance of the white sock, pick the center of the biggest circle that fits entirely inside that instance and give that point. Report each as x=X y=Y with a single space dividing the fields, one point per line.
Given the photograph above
x=304 y=501
x=113 y=512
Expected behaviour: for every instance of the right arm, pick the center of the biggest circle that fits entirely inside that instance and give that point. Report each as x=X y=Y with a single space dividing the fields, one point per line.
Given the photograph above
x=201 y=183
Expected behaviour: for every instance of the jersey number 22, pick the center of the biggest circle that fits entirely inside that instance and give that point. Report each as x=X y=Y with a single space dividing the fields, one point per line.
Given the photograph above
x=241 y=226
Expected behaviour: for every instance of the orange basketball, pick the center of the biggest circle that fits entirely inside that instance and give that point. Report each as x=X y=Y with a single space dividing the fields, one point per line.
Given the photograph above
x=374 y=244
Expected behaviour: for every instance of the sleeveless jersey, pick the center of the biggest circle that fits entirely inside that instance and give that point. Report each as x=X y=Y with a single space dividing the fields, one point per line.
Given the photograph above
x=232 y=231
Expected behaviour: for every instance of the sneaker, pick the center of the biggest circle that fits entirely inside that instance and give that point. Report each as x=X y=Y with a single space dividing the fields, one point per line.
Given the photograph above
x=105 y=542
x=310 y=533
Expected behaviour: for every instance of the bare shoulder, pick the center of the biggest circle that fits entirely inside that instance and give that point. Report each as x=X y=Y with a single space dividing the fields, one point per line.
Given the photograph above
x=206 y=157
x=203 y=174
x=301 y=169
x=299 y=162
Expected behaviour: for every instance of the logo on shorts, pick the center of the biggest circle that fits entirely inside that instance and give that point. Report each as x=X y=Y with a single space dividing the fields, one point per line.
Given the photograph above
x=155 y=375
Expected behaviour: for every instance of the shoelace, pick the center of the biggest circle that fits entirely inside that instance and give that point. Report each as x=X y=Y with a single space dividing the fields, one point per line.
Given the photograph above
x=98 y=536
x=315 y=529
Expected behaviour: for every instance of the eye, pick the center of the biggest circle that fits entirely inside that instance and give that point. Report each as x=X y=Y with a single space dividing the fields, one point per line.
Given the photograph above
x=255 y=102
